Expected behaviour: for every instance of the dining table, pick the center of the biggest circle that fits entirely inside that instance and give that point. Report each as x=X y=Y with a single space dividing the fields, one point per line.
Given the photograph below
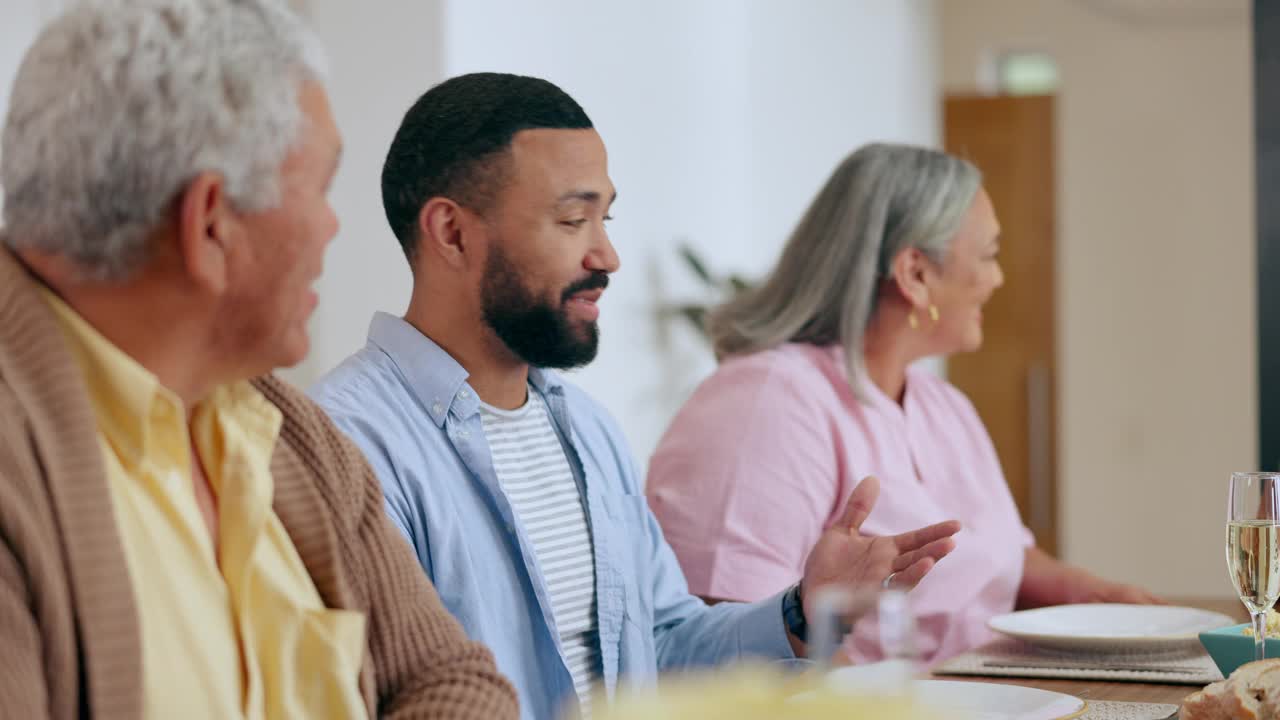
x=1090 y=690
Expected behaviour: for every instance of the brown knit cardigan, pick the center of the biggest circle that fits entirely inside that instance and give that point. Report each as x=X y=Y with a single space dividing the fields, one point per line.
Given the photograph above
x=69 y=628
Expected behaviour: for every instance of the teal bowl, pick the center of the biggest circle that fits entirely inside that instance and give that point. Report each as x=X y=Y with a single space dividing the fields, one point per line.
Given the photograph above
x=1230 y=647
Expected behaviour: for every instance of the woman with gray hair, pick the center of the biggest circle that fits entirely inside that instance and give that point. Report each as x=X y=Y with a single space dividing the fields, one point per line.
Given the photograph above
x=892 y=262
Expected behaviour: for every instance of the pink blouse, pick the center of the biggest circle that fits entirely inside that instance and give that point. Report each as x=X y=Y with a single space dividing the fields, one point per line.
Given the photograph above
x=766 y=452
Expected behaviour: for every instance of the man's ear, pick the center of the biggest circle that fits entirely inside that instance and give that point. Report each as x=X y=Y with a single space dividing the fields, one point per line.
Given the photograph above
x=447 y=230
x=208 y=228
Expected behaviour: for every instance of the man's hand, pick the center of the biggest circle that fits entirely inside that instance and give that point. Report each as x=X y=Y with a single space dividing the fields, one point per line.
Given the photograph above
x=844 y=556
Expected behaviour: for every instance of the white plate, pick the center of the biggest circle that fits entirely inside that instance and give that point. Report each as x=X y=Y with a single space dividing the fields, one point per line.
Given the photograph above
x=970 y=700
x=1111 y=628
x=991 y=701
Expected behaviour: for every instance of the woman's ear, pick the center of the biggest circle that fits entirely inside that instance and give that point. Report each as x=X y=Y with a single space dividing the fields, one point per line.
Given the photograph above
x=912 y=272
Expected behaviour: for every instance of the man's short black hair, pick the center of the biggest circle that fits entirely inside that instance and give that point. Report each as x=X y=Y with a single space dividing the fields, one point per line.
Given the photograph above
x=451 y=142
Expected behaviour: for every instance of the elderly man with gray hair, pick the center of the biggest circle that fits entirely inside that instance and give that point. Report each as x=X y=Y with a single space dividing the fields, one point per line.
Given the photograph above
x=181 y=535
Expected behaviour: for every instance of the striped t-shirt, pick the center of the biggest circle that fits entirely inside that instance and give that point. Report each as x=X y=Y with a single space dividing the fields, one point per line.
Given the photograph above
x=536 y=477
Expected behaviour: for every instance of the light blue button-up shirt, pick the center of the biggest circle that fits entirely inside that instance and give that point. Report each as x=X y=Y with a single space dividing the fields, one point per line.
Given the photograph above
x=407 y=404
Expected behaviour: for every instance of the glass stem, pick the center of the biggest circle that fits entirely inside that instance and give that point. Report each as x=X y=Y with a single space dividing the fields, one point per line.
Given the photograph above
x=1259 y=635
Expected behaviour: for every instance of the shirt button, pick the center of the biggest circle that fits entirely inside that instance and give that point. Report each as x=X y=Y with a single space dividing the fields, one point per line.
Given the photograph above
x=437 y=408
x=464 y=434
x=464 y=394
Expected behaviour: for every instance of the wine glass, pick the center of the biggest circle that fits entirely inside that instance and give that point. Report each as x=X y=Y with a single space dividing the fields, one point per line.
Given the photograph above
x=880 y=616
x=1253 y=554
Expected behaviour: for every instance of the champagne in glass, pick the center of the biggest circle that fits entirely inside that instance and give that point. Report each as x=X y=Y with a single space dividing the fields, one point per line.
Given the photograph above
x=1254 y=558
x=1253 y=546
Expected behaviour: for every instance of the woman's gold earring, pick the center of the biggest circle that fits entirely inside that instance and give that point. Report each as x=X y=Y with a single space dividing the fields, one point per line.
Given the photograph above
x=913 y=322
x=933 y=313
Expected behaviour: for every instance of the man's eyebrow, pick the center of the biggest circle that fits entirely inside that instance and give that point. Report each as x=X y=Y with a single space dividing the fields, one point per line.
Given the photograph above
x=590 y=196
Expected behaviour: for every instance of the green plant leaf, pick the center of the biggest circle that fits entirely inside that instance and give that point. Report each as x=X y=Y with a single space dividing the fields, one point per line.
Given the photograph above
x=696 y=315
x=739 y=283
x=696 y=264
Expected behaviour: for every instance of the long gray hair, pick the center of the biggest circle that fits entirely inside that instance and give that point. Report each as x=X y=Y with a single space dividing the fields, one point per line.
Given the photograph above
x=881 y=200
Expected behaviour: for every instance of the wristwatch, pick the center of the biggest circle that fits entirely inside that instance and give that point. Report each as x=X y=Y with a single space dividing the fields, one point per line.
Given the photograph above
x=793 y=614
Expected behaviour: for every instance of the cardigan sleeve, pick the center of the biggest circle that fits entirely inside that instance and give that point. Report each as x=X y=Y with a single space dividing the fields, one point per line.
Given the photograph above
x=23 y=689
x=425 y=666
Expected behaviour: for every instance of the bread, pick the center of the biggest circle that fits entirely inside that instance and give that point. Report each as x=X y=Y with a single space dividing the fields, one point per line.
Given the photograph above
x=1251 y=693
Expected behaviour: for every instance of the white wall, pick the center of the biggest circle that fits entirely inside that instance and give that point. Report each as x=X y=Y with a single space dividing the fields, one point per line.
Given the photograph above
x=379 y=63
x=722 y=118
x=1156 y=319
x=19 y=21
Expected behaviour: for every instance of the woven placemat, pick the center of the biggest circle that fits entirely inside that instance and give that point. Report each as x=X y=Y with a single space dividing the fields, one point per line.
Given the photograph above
x=1200 y=667
x=1103 y=710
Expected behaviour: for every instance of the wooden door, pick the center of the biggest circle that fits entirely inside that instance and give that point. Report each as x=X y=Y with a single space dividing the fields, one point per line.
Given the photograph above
x=1011 y=380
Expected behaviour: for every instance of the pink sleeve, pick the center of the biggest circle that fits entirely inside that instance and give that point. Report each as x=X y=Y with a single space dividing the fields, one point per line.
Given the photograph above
x=744 y=479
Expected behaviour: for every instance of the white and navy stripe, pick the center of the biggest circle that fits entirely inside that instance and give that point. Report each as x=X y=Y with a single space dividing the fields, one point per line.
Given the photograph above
x=536 y=477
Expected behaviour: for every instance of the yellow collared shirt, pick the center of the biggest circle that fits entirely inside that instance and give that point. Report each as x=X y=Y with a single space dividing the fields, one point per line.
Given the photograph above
x=233 y=631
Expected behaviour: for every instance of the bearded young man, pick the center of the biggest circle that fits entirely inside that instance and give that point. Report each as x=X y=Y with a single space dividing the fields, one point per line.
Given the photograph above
x=515 y=488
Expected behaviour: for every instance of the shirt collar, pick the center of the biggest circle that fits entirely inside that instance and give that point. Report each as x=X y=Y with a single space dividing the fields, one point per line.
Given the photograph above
x=546 y=381
x=874 y=395
x=434 y=377
x=131 y=405
x=123 y=393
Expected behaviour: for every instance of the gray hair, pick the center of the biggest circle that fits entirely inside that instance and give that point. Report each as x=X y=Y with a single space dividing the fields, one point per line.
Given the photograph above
x=120 y=103
x=881 y=200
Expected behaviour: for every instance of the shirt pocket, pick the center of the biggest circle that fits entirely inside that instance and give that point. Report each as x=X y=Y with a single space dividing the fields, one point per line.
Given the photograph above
x=635 y=542
x=638 y=656
x=633 y=535
x=327 y=656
